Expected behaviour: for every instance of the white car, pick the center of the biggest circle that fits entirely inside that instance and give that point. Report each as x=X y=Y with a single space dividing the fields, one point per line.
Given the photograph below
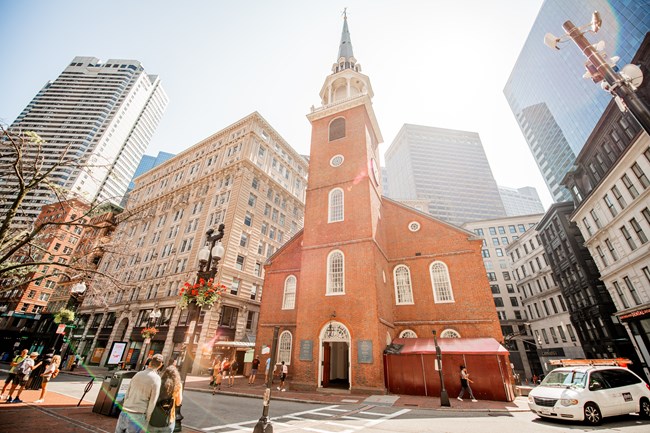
x=590 y=393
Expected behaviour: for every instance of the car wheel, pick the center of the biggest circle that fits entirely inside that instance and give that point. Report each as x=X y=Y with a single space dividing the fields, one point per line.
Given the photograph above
x=644 y=409
x=592 y=414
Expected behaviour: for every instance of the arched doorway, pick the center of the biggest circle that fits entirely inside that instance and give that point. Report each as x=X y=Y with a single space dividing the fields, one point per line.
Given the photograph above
x=334 y=358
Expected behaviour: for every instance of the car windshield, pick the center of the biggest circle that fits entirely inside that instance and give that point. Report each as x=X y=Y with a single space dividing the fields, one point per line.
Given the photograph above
x=565 y=378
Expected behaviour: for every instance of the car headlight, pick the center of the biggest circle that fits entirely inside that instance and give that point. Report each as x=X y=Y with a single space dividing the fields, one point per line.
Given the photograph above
x=568 y=402
x=531 y=399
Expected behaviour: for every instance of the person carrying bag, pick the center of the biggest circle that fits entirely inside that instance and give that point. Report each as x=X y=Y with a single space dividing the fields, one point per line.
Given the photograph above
x=163 y=417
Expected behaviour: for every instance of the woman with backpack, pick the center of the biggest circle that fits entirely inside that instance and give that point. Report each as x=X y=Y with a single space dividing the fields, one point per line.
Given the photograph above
x=50 y=372
x=163 y=417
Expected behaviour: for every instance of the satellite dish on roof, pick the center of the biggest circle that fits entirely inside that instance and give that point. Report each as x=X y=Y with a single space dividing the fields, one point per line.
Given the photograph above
x=633 y=75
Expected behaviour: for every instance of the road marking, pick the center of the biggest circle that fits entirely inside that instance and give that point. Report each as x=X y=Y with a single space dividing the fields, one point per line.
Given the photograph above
x=302 y=421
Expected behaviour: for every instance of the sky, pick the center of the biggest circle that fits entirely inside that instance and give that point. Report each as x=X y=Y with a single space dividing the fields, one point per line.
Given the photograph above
x=437 y=63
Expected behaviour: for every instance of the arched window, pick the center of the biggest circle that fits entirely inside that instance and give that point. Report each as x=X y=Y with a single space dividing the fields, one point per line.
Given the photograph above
x=335 y=208
x=337 y=128
x=335 y=273
x=441 y=283
x=449 y=333
x=407 y=333
x=403 y=290
x=289 y=299
x=284 y=347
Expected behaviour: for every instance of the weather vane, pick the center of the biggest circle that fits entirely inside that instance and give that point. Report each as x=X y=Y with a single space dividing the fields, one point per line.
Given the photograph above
x=345 y=13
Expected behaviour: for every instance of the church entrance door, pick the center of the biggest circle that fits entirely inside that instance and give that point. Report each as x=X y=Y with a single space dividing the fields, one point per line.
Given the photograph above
x=334 y=356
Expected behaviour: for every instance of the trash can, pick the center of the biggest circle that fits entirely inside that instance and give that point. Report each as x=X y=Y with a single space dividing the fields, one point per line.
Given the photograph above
x=112 y=392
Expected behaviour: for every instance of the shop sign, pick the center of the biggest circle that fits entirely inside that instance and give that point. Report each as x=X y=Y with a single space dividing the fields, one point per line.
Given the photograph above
x=635 y=314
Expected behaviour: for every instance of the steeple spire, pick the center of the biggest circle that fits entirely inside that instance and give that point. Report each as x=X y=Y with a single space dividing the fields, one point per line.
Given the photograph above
x=345 y=49
x=345 y=59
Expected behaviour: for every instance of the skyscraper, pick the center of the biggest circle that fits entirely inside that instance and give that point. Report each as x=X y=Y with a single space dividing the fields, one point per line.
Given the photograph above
x=555 y=107
x=520 y=201
x=446 y=167
x=101 y=115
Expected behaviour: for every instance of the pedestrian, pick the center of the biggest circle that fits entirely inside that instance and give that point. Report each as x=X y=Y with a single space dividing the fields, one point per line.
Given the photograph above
x=36 y=378
x=140 y=398
x=283 y=375
x=14 y=362
x=225 y=367
x=163 y=418
x=234 y=365
x=255 y=365
x=464 y=384
x=22 y=372
x=217 y=376
x=267 y=370
x=50 y=372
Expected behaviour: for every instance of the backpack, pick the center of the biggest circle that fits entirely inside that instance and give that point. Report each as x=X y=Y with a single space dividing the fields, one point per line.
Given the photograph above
x=23 y=369
x=161 y=415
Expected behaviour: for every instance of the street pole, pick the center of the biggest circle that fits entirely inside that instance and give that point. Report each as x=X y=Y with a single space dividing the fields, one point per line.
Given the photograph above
x=444 y=397
x=264 y=425
x=207 y=270
x=617 y=85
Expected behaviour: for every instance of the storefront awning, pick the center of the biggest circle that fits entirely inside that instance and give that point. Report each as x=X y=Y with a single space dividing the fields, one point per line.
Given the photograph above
x=234 y=344
x=450 y=345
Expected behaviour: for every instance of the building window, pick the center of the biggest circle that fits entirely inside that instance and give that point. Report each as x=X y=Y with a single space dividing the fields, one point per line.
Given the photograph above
x=619 y=197
x=252 y=199
x=289 y=299
x=284 y=347
x=449 y=333
x=621 y=295
x=628 y=238
x=234 y=287
x=638 y=172
x=513 y=301
x=239 y=263
x=335 y=273
x=572 y=334
x=632 y=289
x=228 y=317
x=335 y=213
x=337 y=129
x=639 y=231
x=585 y=223
x=601 y=254
x=498 y=302
x=495 y=289
x=442 y=291
x=594 y=215
x=248 y=219
x=610 y=205
x=250 y=321
x=562 y=334
x=243 y=241
x=611 y=249
x=553 y=334
x=407 y=333
x=403 y=290
x=630 y=186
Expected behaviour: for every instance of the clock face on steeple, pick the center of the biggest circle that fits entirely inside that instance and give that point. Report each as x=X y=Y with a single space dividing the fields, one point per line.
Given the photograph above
x=375 y=171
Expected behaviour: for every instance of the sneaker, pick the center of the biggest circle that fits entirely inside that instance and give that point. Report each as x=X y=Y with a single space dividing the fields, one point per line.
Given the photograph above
x=9 y=400
x=17 y=400
x=40 y=400
x=474 y=400
x=283 y=390
x=459 y=399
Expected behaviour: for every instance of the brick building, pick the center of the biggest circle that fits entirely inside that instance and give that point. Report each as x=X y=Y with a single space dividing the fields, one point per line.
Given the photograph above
x=365 y=269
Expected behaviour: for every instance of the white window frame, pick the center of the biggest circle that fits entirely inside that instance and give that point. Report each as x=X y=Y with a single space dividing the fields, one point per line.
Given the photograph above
x=408 y=333
x=285 y=342
x=335 y=205
x=450 y=333
x=289 y=297
x=330 y=276
x=403 y=286
x=438 y=281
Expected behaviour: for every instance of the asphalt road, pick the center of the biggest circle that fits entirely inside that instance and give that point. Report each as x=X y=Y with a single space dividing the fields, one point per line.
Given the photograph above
x=229 y=414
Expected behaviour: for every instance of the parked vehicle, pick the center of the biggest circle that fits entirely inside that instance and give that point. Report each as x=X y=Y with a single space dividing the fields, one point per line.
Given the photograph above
x=590 y=391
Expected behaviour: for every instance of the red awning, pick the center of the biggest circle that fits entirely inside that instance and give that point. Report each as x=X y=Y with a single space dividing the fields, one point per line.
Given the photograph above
x=481 y=346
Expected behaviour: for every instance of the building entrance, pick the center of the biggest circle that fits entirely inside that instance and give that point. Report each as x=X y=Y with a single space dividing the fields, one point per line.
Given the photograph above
x=334 y=356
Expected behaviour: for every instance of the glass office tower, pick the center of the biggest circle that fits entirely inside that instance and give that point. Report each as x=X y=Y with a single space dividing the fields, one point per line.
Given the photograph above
x=546 y=86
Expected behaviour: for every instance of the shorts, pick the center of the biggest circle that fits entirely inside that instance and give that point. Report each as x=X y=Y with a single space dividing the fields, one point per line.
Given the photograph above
x=254 y=371
x=283 y=376
x=19 y=380
x=10 y=377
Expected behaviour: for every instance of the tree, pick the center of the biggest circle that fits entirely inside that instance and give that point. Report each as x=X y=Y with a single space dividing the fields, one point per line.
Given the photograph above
x=26 y=168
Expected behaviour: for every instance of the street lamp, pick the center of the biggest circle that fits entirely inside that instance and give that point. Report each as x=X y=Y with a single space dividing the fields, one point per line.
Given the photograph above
x=621 y=85
x=209 y=257
x=444 y=397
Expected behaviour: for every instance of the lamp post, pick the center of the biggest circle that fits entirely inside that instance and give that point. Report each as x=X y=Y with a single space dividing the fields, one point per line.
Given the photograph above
x=444 y=397
x=621 y=85
x=153 y=321
x=263 y=424
x=209 y=257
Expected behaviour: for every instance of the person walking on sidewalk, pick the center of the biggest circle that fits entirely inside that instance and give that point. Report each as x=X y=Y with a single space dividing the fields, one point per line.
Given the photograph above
x=217 y=376
x=140 y=398
x=10 y=378
x=225 y=368
x=255 y=366
x=234 y=365
x=283 y=375
x=163 y=418
x=22 y=372
x=50 y=372
x=464 y=384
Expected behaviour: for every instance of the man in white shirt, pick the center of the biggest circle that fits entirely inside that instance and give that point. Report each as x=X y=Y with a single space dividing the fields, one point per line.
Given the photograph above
x=140 y=398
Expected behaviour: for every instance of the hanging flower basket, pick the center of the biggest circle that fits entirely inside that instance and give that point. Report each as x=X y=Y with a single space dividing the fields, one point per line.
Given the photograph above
x=149 y=332
x=203 y=293
x=64 y=316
